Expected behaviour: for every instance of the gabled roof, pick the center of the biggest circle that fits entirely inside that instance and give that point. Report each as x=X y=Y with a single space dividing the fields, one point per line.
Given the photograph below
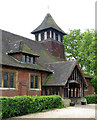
x=62 y=71
x=48 y=22
x=20 y=46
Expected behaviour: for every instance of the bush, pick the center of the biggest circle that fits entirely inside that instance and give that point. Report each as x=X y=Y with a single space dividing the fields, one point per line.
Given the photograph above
x=21 y=105
x=91 y=99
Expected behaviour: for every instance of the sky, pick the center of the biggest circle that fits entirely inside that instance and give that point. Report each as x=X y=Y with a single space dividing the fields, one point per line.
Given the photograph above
x=23 y=16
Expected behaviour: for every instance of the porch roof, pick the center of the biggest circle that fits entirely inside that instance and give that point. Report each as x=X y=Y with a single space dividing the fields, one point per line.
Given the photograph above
x=62 y=71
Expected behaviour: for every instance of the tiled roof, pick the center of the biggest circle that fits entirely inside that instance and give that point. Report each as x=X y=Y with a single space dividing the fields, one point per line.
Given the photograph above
x=15 y=43
x=48 y=22
x=62 y=71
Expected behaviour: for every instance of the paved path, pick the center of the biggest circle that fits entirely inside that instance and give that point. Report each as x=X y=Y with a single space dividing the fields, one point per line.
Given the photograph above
x=78 y=111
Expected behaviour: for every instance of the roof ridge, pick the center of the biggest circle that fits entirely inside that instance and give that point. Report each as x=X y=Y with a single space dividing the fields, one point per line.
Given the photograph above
x=62 y=62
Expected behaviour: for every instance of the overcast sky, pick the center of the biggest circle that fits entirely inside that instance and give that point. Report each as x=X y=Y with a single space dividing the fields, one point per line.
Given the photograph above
x=23 y=16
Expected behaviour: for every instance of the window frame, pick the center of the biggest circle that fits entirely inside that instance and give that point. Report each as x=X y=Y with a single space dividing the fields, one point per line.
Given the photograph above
x=15 y=79
x=28 y=59
x=39 y=81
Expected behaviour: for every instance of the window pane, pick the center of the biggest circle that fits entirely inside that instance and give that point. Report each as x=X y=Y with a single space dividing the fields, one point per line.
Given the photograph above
x=23 y=58
x=31 y=82
x=31 y=60
x=39 y=37
x=11 y=80
x=27 y=59
x=36 y=81
x=0 y=79
x=45 y=35
x=5 y=80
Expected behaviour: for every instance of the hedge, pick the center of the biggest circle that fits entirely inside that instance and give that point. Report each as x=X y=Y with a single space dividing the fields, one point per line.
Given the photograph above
x=22 y=105
x=91 y=99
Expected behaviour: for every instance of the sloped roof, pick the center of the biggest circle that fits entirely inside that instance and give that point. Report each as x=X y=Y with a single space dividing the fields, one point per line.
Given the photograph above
x=48 y=22
x=62 y=71
x=17 y=43
x=20 y=46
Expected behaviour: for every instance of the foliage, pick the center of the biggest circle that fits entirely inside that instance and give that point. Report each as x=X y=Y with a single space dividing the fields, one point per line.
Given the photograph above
x=83 y=48
x=21 y=105
x=91 y=99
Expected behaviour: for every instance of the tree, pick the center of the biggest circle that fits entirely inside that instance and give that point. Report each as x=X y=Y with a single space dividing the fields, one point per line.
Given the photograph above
x=82 y=47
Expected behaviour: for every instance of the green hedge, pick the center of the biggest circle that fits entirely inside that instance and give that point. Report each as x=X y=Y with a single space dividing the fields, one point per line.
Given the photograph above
x=22 y=105
x=91 y=99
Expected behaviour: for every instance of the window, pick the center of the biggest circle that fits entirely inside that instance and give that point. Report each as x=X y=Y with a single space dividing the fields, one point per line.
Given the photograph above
x=54 y=36
x=5 y=80
x=11 y=80
x=32 y=60
x=8 y=80
x=50 y=34
x=45 y=35
x=59 y=39
x=31 y=82
x=34 y=81
x=39 y=37
x=23 y=58
x=28 y=59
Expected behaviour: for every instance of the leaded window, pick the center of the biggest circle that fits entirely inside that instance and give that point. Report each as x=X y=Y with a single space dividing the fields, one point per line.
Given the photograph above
x=5 y=80
x=31 y=81
x=34 y=81
x=8 y=80
x=11 y=80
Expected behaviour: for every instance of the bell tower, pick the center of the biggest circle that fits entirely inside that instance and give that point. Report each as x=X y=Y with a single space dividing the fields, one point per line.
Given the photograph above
x=51 y=35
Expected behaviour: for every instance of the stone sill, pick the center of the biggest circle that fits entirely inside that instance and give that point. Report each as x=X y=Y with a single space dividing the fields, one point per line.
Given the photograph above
x=8 y=89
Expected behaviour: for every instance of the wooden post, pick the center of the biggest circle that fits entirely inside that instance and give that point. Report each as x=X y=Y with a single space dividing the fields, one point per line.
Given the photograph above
x=68 y=91
x=77 y=92
x=73 y=92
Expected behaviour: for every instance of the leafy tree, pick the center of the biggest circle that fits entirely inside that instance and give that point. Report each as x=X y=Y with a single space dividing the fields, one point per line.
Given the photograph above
x=82 y=47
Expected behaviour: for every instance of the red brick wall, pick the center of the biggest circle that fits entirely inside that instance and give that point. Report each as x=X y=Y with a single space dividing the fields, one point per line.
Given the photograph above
x=22 y=89
x=55 y=48
x=18 y=56
x=90 y=89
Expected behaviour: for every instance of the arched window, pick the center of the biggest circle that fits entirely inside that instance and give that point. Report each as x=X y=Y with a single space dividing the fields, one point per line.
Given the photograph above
x=54 y=36
x=39 y=37
x=45 y=35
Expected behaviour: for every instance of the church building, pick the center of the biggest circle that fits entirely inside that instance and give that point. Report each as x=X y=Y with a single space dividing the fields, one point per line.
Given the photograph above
x=39 y=67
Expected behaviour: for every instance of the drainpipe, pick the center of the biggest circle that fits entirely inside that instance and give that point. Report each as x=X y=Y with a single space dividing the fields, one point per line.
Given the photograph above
x=41 y=85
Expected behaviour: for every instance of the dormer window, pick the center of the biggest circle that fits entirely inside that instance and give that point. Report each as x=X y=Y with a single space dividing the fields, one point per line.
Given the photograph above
x=28 y=59
x=32 y=60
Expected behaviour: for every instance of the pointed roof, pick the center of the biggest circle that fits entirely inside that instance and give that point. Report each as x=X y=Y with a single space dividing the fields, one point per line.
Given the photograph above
x=62 y=71
x=48 y=22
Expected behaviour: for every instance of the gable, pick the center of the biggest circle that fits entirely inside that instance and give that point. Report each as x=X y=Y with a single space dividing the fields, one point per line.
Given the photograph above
x=77 y=76
x=62 y=72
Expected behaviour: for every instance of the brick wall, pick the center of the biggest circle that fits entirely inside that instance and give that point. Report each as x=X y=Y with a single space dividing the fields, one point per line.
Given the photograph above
x=90 y=89
x=22 y=82
x=55 y=48
x=18 y=56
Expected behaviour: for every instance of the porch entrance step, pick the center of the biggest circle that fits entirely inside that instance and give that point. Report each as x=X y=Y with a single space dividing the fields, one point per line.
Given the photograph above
x=78 y=100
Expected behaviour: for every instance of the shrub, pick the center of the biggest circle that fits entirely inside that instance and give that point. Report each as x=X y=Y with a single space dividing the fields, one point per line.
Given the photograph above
x=91 y=99
x=21 y=105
